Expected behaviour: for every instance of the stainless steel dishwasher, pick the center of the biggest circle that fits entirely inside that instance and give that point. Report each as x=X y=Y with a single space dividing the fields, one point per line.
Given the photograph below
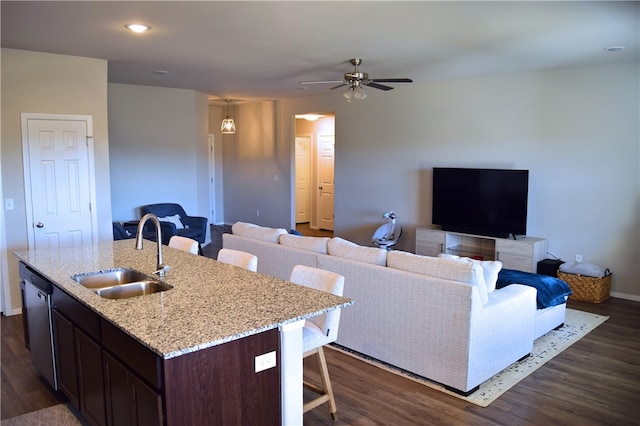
x=38 y=306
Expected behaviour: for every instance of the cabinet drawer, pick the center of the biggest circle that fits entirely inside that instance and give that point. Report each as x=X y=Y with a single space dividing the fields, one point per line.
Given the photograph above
x=429 y=242
x=82 y=317
x=430 y=235
x=133 y=354
x=514 y=248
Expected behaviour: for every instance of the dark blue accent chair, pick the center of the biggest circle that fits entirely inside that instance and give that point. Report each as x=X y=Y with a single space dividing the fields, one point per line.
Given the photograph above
x=195 y=227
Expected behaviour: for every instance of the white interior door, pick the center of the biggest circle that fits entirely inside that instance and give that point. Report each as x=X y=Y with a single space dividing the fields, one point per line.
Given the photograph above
x=58 y=180
x=303 y=179
x=326 y=156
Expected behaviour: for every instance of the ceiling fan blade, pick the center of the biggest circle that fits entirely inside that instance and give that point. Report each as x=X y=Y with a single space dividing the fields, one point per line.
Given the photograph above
x=321 y=82
x=338 y=86
x=392 y=80
x=378 y=86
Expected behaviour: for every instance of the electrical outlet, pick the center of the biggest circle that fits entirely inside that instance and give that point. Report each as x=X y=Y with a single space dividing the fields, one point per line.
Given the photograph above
x=265 y=361
x=578 y=258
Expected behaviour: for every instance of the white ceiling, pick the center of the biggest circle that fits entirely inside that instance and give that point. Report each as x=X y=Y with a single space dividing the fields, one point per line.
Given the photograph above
x=261 y=50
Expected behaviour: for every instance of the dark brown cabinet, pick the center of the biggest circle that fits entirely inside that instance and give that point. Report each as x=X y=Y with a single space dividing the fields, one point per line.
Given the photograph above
x=113 y=379
x=79 y=357
x=66 y=357
x=130 y=402
x=89 y=363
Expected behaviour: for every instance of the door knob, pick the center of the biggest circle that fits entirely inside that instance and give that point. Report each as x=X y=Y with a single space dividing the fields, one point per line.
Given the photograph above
x=320 y=187
x=39 y=225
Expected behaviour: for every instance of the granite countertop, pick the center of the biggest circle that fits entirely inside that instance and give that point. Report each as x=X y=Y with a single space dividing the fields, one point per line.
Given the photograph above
x=210 y=303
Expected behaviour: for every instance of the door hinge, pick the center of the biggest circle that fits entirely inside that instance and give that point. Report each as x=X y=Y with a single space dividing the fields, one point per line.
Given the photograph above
x=88 y=138
x=90 y=207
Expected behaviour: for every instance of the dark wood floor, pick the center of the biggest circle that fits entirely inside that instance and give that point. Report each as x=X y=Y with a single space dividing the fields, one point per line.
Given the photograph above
x=594 y=382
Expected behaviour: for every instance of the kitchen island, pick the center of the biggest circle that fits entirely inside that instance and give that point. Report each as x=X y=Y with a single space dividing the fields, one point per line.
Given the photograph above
x=185 y=332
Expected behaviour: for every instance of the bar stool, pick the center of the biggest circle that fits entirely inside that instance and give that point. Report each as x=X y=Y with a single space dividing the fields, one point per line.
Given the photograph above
x=238 y=258
x=185 y=244
x=319 y=331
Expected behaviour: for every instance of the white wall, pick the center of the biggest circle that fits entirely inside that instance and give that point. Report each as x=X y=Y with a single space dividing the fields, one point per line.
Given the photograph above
x=57 y=84
x=158 y=148
x=576 y=130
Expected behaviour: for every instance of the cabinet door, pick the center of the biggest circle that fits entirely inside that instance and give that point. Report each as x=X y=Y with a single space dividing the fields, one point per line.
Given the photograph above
x=66 y=357
x=91 y=381
x=515 y=255
x=429 y=242
x=129 y=400
x=147 y=403
x=116 y=388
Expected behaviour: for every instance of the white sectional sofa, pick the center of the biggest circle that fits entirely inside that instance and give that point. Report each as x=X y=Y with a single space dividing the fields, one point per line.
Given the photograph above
x=435 y=317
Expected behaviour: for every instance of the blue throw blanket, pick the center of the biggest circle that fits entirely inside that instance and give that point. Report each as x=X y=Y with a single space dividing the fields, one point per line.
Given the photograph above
x=551 y=291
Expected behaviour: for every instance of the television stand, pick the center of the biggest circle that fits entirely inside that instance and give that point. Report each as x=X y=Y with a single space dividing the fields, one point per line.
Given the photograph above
x=522 y=254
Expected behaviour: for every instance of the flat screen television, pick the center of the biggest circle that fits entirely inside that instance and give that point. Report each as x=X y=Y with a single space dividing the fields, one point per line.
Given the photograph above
x=491 y=202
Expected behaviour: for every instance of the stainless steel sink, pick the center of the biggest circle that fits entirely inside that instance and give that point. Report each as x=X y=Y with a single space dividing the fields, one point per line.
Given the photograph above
x=121 y=283
x=140 y=288
x=110 y=278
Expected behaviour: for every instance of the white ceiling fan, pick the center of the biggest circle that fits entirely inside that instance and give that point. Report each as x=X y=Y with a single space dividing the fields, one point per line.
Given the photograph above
x=356 y=79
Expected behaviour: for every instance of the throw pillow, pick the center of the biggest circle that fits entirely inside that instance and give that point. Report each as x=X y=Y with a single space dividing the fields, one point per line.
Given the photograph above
x=316 y=244
x=448 y=269
x=175 y=219
x=257 y=232
x=342 y=248
x=490 y=269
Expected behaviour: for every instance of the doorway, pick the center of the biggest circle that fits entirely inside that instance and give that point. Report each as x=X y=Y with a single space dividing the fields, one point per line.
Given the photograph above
x=314 y=171
x=59 y=180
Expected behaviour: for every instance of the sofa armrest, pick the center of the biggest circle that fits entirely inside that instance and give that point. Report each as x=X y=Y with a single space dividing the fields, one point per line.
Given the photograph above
x=502 y=331
x=195 y=222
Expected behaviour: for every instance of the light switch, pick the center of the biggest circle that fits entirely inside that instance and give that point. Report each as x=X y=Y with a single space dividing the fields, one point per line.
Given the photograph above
x=265 y=361
x=8 y=204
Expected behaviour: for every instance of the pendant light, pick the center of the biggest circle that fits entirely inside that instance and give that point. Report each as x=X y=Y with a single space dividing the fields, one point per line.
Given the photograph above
x=228 y=126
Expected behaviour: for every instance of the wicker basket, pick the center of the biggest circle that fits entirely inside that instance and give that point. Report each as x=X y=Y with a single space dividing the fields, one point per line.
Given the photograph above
x=587 y=289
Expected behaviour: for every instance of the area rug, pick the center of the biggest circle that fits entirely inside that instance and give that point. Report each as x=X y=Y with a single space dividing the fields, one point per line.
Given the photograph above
x=57 y=415
x=577 y=325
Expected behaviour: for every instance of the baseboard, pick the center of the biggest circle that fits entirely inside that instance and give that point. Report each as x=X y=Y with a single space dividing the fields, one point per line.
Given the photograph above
x=635 y=298
x=16 y=311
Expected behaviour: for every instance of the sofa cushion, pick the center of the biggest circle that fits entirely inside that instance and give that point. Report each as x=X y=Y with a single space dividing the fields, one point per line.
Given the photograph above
x=175 y=219
x=316 y=244
x=490 y=269
x=349 y=250
x=257 y=232
x=448 y=269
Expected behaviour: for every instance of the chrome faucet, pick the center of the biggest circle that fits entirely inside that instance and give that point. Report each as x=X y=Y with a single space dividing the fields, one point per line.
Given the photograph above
x=160 y=268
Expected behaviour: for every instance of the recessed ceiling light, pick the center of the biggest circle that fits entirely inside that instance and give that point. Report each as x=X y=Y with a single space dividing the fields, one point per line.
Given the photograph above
x=137 y=28
x=615 y=48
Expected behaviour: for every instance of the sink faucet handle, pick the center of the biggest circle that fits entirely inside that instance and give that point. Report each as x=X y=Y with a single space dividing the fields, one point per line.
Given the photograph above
x=162 y=270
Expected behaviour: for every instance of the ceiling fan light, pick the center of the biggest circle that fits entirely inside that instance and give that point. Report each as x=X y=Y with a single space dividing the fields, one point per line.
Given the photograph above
x=348 y=94
x=359 y=93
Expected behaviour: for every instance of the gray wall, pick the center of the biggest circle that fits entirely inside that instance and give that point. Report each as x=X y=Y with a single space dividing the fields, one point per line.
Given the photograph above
x=253 y=157
x=36 y=82
x=158 y=148
x=215 y=119
x=576 y=130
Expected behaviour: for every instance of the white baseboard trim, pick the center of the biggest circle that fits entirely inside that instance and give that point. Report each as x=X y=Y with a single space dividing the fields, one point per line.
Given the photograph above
x=626 y=296
x=16 y=311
